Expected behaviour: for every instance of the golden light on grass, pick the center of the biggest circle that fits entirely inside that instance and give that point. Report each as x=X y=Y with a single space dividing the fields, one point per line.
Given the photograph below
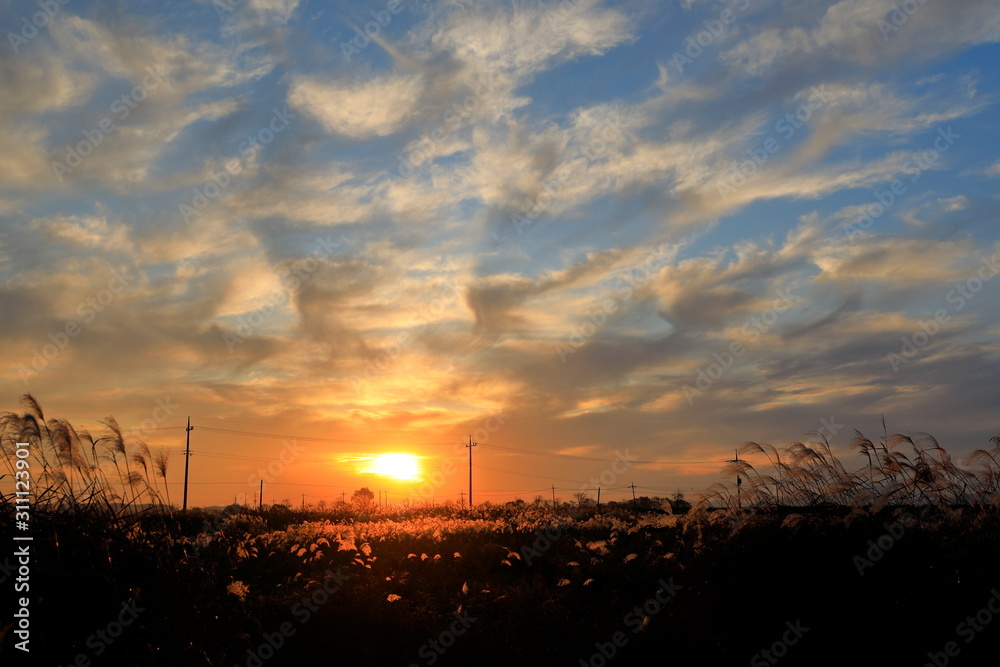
x=402 y=467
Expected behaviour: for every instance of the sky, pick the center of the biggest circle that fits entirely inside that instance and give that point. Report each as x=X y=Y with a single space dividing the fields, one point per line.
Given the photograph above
x=608 y=241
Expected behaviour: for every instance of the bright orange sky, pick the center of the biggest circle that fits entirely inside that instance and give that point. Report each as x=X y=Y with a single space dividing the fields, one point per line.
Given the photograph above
x=618 y=230
x=230 y=458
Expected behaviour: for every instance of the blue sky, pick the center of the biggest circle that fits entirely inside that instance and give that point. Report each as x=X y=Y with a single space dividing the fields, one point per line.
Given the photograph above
x=668 y=227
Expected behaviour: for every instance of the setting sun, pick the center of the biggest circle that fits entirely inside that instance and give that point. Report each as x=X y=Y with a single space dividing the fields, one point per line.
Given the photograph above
x=404 y=467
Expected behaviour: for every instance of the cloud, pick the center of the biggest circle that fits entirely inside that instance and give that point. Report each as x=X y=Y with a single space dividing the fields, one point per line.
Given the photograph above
x=527 y=210
x=279 y=11
x=88 y=232
x=864 y=32
x=527 y=37
x=373 y=108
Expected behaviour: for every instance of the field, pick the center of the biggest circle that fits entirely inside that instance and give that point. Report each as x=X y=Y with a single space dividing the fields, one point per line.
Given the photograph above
x=889 y=567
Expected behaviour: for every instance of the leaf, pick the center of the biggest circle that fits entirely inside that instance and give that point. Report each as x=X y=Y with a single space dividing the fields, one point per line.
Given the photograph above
x=562 y=582
x=465 y=588
x=393 y=597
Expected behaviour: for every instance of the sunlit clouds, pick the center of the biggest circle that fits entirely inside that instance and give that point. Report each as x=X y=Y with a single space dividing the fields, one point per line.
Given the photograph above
x=291 y=219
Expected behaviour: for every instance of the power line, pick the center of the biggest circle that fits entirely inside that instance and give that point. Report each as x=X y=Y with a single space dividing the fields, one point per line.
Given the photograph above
x=528 y=474
x=588 y=458
x=282 y=436
x=431 y=463
x=411 y=443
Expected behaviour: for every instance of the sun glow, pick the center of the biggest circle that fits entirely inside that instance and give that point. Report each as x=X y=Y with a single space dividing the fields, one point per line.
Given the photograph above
x=404 y=467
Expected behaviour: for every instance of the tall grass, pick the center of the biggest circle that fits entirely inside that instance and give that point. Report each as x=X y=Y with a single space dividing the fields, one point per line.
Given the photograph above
x=544 y=582
x=107 y=476
x=896 y=470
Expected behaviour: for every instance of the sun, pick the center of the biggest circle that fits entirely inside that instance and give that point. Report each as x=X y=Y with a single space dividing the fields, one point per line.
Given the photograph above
x=404 y=467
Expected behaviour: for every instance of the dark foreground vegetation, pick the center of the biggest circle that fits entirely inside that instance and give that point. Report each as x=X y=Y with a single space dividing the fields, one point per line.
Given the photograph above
x=892 y=564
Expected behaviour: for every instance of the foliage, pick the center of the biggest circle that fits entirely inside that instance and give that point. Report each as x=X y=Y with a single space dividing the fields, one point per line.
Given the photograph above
x=544 y=585
x=899 y=470
x=363 y=496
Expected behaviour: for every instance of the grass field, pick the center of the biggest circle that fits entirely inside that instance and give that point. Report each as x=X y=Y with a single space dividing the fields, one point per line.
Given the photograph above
x=890 y=565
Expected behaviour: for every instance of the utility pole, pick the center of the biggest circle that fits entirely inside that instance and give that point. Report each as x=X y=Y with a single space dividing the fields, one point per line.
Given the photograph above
x=739 y=480
x=461 y=495
x=303 y=501
x=598 y=497
x=553 y=496
x=261 y=506
x=187 y=461
x=470 y=446
x=632 y=486
x=343 y=497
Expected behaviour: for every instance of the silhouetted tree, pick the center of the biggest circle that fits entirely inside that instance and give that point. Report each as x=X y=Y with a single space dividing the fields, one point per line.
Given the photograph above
x=363 y=496
x=678 y=505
